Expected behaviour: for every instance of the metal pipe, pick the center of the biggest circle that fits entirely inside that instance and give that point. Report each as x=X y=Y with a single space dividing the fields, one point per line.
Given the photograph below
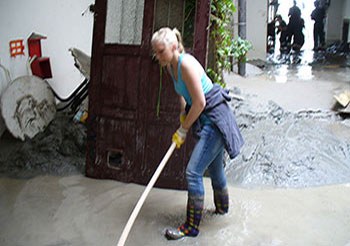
x=242 y=31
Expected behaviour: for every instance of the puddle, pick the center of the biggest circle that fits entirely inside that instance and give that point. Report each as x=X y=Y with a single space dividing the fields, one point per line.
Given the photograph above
x=330 y=64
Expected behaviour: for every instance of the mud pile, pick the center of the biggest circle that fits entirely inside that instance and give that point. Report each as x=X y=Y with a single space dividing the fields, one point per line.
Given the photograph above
x=59 y=150
x=284 y=149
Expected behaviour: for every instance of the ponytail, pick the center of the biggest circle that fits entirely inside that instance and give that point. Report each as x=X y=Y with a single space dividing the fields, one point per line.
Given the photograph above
x=169 y=37
x=179 y=40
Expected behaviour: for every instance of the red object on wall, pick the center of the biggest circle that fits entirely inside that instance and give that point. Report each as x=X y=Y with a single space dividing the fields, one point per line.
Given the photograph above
x=16 y=47
x=41 y=65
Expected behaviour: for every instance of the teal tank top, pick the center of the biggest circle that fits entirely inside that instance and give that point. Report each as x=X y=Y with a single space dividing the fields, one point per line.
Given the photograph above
x=181 y=89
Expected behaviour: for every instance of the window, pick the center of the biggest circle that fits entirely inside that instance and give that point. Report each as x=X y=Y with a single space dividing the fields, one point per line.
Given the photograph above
x=177 y=13
x=124 y=22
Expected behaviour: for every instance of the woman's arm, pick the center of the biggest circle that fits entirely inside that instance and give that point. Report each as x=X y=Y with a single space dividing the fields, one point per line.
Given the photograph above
x=182 y=104
x=191 y=77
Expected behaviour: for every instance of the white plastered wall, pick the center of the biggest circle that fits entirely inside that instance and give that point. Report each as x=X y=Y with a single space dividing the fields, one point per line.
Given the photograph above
x=256 y=27
x=334 y=22
x=347 y=14
x=62 y=22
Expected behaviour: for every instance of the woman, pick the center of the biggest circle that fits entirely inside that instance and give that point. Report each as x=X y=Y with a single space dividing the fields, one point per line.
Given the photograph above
x=204 y=108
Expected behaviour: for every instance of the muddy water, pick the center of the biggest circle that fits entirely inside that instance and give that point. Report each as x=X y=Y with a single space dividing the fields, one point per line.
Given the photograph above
x=307 y=65
x=75 y=210
x=283 y=73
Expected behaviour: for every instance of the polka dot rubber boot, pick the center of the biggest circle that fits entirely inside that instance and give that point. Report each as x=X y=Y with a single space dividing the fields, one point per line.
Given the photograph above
x=221 y=200
x=191 y=226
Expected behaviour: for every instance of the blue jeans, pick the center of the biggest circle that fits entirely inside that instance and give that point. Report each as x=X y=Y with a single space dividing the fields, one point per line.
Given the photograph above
x=208 y=153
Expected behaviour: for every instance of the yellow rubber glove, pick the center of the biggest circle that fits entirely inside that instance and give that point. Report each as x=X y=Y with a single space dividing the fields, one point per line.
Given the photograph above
x=179 y=136
x=182 y=117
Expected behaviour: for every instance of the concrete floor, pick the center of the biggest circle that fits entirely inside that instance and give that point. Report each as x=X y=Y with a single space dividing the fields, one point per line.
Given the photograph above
x=75 y=210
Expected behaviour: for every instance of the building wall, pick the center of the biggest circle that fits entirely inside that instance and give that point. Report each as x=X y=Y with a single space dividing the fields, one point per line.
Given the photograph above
x=347 y=14
x=62 y=22
x=334 y=22
x=257 y=28
x=256 y=24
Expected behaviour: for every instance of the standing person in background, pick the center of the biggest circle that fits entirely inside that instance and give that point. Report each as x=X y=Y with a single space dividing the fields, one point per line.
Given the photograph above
x=204 y=108
x=299 y=37
x=294 y=22
x=318 y=15
x=282 y=28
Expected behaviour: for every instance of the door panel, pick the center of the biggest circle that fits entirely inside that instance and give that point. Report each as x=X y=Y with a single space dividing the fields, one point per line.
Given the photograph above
x=116 y=89
x=127 y=135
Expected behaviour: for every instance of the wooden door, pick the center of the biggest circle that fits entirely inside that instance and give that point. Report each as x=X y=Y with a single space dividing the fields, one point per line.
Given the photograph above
x=127 y=134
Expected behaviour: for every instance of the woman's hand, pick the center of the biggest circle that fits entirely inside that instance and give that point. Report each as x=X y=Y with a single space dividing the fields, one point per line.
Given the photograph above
x=179 y=136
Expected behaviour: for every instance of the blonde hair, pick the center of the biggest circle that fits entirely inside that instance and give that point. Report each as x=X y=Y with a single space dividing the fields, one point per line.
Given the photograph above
x=169 y=37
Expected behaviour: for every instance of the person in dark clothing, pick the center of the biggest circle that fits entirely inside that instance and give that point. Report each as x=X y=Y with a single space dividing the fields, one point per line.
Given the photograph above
x=271 y=29
x=282 y=28
x=294 y=21
x=271 y=36
x=318 y=15
x=299 y=37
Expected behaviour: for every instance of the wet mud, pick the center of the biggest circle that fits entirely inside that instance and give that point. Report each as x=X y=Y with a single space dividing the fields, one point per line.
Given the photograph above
x=59 y=150
x=75 y=210
x=284 y=149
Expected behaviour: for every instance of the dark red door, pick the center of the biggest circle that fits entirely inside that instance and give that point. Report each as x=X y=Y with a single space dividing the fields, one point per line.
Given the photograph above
x=127 y=135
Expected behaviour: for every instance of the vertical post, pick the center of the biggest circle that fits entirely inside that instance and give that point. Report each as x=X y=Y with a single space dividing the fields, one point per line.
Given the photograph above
x=242 y=31
x=201 y=31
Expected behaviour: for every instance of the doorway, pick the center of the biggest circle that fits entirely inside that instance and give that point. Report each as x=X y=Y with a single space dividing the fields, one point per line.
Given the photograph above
x=282 y=7
x=132 y=106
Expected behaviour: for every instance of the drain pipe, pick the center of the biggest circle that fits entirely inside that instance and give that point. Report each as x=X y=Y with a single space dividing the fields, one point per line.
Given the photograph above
x=242 y=31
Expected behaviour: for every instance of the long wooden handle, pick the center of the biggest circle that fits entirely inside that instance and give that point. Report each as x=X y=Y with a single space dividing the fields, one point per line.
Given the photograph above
x=142 y=199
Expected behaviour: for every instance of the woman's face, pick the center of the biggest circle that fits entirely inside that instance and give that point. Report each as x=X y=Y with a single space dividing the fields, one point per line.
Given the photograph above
x=164 y=53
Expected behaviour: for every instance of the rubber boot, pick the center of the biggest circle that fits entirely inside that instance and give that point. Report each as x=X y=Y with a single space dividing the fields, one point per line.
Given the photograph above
x=221 y=201
x=191 y=226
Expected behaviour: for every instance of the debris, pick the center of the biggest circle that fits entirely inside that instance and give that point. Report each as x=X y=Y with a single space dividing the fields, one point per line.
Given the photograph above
x=82 y=61
x=345 y=110
x=77 y=101
x=343 y=98
x=81 y=116
x=27 y=106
